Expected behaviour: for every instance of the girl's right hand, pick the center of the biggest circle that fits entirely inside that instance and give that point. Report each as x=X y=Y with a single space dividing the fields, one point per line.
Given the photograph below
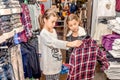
x=76 y=43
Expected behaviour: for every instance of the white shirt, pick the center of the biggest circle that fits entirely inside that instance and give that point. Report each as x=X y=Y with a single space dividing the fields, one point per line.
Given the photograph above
x=106 y=8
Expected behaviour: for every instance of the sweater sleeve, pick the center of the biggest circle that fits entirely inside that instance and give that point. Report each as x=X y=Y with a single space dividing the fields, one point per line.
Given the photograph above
x=103 y=59
x=53 y=42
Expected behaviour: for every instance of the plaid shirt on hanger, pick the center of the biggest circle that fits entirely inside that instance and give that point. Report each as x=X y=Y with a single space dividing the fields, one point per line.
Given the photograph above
x=83 y=61
x=26 y=20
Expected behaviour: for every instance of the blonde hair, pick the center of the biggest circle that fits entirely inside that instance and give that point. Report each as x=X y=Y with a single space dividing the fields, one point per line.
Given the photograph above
x=47 y=14
x=67 y=19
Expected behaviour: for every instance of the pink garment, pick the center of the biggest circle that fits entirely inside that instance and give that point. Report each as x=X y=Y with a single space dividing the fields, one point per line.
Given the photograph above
x=118 y=5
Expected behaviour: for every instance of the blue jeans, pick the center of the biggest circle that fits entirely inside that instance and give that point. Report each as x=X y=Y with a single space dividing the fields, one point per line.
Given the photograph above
x=6 y=72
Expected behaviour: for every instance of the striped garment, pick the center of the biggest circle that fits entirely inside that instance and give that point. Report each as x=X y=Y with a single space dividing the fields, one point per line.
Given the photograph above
x=83 y=61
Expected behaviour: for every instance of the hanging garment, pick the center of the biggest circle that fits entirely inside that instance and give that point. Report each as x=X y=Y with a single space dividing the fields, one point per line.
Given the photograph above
x=83 y=61
x=26 y=20
x=30 y=61
x=118 y=5
x=73 y=8
x=6 y=69
x=106 y=8
x=34 y=11
x=16 y=61
x=42 y=8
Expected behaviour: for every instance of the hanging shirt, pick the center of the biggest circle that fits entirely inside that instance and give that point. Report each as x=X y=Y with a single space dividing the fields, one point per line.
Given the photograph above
x=83 y=61
x=118 y=5
x=106 y=8
x=26 y=20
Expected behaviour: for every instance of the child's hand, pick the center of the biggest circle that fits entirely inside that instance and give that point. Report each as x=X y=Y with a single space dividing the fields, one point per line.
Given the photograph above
x=76 y=43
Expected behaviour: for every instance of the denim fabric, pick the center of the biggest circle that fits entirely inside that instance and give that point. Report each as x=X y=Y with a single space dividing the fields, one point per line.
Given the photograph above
x=2 y=74
x=6 y=72
x=5 y=18
x=30 y=61
x=6 y=27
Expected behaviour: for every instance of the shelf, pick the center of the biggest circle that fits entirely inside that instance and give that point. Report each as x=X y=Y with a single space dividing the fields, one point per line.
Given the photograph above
x=10 y=34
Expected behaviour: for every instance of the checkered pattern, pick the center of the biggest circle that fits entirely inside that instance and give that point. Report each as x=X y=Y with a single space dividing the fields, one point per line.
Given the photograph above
x=83 y=60
x=26 y=20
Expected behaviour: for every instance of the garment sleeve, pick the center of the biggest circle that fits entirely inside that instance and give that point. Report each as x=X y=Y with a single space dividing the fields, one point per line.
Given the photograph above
x=101 y=56
x=71 y=72
x=53 y=42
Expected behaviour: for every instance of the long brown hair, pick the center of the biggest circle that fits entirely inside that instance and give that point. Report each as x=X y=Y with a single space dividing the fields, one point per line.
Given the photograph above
x=67 y=19
x=47 y=14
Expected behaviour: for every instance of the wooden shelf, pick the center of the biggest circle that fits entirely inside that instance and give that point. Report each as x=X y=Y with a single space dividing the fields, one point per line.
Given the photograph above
x=10 y=34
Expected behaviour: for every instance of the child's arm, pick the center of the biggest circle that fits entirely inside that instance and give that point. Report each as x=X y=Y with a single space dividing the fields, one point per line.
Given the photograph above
x=53 y=42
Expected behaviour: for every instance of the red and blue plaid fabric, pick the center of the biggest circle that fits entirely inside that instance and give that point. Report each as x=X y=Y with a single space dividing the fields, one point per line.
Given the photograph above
x=26 y=20
x=83 y=61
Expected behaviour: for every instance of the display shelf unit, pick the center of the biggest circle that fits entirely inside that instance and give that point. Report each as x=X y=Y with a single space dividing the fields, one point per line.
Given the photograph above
x=10 y=34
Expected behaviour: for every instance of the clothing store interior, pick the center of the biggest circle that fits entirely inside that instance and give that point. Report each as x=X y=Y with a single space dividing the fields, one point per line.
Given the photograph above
x=60 y=39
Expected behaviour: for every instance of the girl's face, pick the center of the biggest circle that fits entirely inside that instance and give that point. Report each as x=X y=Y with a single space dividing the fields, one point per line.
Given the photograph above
x=73 y=25
x=50 y=23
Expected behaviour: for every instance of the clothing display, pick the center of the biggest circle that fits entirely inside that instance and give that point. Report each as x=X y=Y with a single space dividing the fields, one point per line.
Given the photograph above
x=34 y=10
x=114 y=25
x=106 y=8
x=30 y=60
x=6 y=70
x=101 y=30
x=118 y=5
x=26 y=20
x=30 y=52
x=113 y=71
x=107 y=40
x=83 y=60
x=16 y=61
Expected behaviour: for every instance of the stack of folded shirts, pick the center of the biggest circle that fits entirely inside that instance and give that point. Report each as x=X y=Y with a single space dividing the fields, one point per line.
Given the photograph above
x=114 y=71
x=5 y=24
x=9 y=7
x=115 y=52
x=114 y=25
